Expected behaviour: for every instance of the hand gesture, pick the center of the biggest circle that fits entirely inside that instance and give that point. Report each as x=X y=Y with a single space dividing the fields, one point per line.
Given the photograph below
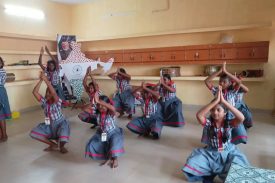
x=41 y=51
x=42 y=76
x=47 y=50
x=143 y=85
x=161 y=81
x=224 y=67
x=222 y=100
x=88 y=70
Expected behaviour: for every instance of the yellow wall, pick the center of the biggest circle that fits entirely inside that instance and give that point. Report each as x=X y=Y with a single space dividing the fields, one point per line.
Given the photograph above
x=139 y=26
x=117 y=24
x=119 y=18
x=57 y=19
x=195 y=92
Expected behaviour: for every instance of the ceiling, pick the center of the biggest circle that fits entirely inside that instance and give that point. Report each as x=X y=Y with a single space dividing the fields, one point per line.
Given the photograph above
x=73 y=1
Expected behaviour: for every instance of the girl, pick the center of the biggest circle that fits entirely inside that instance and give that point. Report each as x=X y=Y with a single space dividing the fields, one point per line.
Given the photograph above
x=205 y=163
x=170 y=104
x=89 y=111
x=107 y=143
x=150 y=122
x=239 y=103
x=239 y=134
x=55 y=126
x=5 y=112
x=124 y=99
x=52 y=72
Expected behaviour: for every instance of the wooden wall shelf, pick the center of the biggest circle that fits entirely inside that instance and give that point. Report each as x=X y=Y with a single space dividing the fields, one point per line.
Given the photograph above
x=181 y=78
x=234 y=53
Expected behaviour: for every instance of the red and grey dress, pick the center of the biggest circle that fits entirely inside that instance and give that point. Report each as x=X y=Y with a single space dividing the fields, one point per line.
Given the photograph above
x=171 y=107
x=114 y=144
x=150 y=122
x=124 y=100
x=5 y=112
x=216 y=158
x=58 y=129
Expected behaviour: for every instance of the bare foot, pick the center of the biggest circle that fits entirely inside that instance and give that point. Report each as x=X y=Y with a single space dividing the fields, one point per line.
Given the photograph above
x=129 y=116
x=63 y=150
x=103 y=163
x=121 y=114
x=4 y=139
x=92 y=127
x=114 y=163
x=51 y=148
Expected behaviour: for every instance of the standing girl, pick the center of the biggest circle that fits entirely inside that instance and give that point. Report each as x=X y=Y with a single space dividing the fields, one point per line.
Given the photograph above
x=124 y=99
x=150 y=122
x=89 y=111
x=215 y=159
x=52 y=72
x=170 y=104
x=107 y=143
x=55 y=127
x=5 y=112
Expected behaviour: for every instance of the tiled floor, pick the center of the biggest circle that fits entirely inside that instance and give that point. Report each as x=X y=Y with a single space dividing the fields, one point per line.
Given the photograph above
x=23 y=159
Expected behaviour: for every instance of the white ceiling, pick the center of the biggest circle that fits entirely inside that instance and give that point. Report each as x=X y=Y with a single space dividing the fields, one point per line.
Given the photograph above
x=73 y=1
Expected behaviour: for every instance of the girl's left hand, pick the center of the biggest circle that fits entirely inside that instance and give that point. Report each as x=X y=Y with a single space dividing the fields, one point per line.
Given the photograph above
x=42 y=76
x=161 y=81
x=224 y=67
x=221 y=95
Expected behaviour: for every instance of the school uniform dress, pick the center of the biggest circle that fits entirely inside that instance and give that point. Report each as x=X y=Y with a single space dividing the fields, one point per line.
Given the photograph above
x=5 y=112
x=124 y=99
x=150 y=122
x=59 y=128
x=239 y=134
x=171 y=107
x=90 y=116
x=216 y=158
x=54 y=78
x=114 y=144
x=241 y=106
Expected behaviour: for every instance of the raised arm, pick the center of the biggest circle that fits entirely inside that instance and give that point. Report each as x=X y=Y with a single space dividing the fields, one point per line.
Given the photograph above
x=40 y=59
x=84 y=82
x=112 y=75
x=108 y=106
x=171 y=89
x=234 y=78
x=35 y=91
x=239 y=117
x=53 y=58
x=126 y=76
x=154 y=93
x=94 y=82
x=201 y=114
x=209 y=79
x=50 y=87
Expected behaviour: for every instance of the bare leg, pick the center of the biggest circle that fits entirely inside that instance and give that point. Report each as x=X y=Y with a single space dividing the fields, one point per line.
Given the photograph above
x=3 y=131
x=104 y=162
x=129 y=116
x=114 y=162
x=63 y=150
x=52 y=145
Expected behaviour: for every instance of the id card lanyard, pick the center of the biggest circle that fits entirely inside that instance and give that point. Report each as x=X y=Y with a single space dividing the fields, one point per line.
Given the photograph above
x=103 y=134
x=47 y=118
x=147 y=101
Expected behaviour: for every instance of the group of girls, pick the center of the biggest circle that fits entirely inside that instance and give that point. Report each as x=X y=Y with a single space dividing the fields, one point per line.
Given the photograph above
x=161 y=107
